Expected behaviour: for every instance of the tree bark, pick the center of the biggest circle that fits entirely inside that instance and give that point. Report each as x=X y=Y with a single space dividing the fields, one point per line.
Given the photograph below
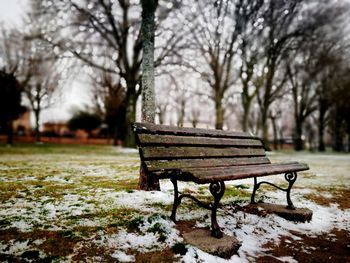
x=147 y=31
x=321 y=127
x=265 y=127
x=338 y=145
x=131 y=99
x=9 y=131
x=146 y=180
x=246 y=102
x=37 y=131
x=275 y=133
x=220 y=112
x=298 y=142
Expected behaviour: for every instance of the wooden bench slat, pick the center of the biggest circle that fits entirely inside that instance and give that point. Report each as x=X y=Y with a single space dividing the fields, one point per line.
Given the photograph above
x=172 y=140
x=242 y=172
x=156 y=165
x=164 y=129
x=207 y=156
x=198 y=152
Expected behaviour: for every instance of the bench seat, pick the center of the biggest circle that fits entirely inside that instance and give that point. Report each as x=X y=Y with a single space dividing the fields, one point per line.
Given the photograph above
x=207 y=156
x=226 y=173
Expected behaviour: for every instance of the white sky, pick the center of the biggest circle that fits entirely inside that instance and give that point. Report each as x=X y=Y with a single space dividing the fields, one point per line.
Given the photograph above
x=11 y=11
x=11 y=15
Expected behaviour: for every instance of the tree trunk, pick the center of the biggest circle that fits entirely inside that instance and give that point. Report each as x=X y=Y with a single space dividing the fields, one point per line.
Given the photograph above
x=181 y=112
x=131 y=99
x=37 y=131
x=147 y=181
x=281 y=139
x=348 y=137
x=321 y=127
x=298 y=142
x=265 y=128
x=147 y=31
x=220 y=112
x=275 y=134
x=245 y=121
x=9 y=132
x=338 y=134
x=246 y=102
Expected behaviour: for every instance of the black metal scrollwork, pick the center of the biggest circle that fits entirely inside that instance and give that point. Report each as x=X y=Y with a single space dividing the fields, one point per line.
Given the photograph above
x=217 y=189
x=291 y=177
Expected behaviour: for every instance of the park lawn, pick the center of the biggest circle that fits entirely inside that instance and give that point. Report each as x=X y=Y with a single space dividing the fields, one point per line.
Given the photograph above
x=81 y=203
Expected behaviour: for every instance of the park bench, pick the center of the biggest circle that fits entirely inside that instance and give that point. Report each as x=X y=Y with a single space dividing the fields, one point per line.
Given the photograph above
x=209 y=157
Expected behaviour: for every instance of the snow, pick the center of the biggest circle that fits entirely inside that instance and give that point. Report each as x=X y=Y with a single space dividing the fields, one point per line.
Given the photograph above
x=122 y=257
x=25 y=211
x=124 y=150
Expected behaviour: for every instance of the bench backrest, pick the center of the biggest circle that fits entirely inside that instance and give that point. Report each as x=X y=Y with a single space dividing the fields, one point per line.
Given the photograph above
x=164 y=147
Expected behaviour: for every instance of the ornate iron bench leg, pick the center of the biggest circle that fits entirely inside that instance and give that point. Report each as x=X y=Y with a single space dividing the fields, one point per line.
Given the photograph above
x=217 y=189
x=177 y=200
x=256 y=187
x=291 y=178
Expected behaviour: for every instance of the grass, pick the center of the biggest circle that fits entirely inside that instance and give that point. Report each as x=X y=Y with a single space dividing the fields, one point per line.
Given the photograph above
x=51 y=191
x=82 y=202
x=57 y=149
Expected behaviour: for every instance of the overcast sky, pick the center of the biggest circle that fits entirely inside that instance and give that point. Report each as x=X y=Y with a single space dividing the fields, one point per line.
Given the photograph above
x=11 y=14
x=11 y=11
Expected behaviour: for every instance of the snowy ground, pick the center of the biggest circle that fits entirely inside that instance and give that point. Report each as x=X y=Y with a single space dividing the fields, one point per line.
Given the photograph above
x=63 y=204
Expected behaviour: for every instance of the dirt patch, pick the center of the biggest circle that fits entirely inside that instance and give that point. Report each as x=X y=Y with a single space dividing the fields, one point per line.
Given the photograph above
x=165 y=255
x=340 y=197
x=88 y=251
x=330 y=247
x=185 y=226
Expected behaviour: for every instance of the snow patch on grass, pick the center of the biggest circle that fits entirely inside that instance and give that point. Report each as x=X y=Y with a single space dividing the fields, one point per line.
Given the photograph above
x=64 y=192
x=121 y=256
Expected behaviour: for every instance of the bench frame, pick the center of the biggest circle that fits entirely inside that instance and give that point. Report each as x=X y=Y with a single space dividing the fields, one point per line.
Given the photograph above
x=216 y=187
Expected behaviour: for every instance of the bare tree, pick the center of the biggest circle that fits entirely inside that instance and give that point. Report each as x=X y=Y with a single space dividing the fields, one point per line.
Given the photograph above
x=40 y=71
x=340 y=108
x=10 y=49
x=285 y=22
x=215 y=36
x=148 y=112
x=148 y=30
x=10 y=103
x=274 y=115
x=40 y=90
x=301 y=75
x=161 y=111
x=195 y=116
x=31 y=62
x=251 y=55
x=278 y=20
x=108 y=97
x=333 y=62
x=106 y=35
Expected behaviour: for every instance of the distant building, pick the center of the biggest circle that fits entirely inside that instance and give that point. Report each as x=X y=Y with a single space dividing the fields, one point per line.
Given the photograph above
x=22 y=125
x=60 y=129
x=55 y=128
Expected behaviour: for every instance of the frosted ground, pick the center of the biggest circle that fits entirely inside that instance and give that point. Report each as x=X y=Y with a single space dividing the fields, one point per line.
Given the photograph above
x=70 y=203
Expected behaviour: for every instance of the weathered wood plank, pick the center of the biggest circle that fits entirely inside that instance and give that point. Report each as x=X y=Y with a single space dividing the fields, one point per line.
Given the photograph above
x=198 y=152
x=164 y=129
x=242 y=172
x=156 y=165
x=172 y=140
